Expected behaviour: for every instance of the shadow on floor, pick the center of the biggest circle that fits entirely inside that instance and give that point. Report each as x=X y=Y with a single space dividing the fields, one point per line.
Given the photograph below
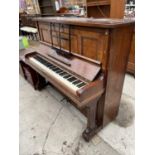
x=126 y=113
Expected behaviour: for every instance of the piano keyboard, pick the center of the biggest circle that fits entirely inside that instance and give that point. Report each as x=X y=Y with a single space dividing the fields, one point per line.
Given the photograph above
x=58 y=73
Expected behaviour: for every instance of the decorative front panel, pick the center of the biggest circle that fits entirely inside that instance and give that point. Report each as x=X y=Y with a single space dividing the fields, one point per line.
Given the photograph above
x=89 y=42
x=44 y=31
x=92 y=43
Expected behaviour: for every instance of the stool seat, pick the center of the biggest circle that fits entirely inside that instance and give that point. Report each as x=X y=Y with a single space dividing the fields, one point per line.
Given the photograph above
x=30 y=32
x=29 y=29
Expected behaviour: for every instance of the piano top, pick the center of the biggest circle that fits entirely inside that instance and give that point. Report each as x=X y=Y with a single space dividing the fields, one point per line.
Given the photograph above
x=91 y=22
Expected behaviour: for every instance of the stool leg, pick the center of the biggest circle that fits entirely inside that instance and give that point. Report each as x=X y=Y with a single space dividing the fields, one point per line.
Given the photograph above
x=29 y=35
x=32 y=34
x=36 y=36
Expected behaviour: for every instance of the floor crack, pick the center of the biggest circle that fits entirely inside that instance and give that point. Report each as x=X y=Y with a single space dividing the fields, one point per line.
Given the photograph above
x=47 y=135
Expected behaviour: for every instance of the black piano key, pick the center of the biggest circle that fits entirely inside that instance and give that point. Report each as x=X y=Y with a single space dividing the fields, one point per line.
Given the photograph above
x=42 y=60
x=52 y=67
x=46 y=63
x=67 y=76
x=80 y=85
x=63 y=74
x=39 y=59
x=77 y=82
x=58 y=71
x=49 y=65
x=72 y=79
x=36 y=58
x=55 y=69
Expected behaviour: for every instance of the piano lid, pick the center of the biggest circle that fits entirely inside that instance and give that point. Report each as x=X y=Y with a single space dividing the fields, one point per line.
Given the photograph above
x=90 y=22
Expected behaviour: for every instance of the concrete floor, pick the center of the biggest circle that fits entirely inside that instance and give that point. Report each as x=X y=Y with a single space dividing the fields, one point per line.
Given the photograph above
x=49 y=125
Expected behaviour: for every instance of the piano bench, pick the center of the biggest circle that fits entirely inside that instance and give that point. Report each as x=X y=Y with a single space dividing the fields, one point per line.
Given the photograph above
x=30 y=32
x=36 y=80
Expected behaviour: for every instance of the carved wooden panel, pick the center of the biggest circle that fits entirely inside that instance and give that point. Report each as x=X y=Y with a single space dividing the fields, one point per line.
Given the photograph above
x=62 y=27
x=64 y=40
x=46 y=36
x=74 y=43
x=44 y=30
x=92 y=43
x=92 y=51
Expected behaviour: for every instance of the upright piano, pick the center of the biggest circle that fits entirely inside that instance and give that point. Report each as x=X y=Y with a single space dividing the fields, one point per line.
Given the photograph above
x=86 y=60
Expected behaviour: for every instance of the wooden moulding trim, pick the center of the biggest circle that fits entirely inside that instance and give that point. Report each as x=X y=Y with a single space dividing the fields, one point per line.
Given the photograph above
x=92 y=85
x=97 y=3
x=100 y=23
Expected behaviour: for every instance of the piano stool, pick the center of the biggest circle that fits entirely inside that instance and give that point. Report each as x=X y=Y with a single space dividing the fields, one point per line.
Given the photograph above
x=36 y=80
x=30 y=32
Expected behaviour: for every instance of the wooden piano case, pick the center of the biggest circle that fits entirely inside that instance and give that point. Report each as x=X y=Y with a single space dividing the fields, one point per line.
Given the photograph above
x=104 y=40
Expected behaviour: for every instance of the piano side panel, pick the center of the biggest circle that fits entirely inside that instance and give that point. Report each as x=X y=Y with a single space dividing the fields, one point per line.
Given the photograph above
x=131 y=61
x=120 y=43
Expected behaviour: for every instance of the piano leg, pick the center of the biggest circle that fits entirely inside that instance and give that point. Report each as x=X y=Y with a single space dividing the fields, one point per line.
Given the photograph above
x=92 y=128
